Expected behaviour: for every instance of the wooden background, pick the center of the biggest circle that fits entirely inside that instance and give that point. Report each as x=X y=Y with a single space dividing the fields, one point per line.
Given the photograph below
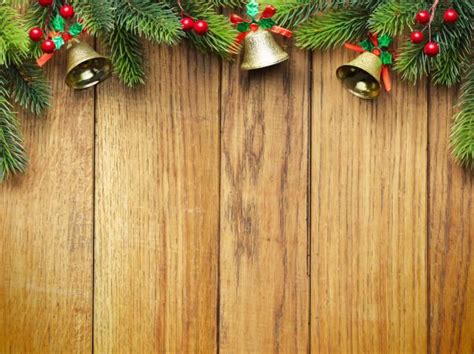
x=215 y=210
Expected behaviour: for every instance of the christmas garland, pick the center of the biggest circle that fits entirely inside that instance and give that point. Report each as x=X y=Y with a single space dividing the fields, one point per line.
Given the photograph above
x=436 y=42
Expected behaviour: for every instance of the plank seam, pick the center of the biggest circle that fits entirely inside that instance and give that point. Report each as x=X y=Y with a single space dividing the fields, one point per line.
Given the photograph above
x=94 y=185
x=309 y=191
x=428 y=211
x=219 y=227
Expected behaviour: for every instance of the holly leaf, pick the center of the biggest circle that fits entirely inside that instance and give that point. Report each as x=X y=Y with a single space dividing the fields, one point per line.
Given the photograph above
x=386 y=57
x=385 y=41
x=243 y=27
x=367 y=45
x=59 y=42
x=252 y=8
x=76 y=29
x=266 y=23
x=58 y=23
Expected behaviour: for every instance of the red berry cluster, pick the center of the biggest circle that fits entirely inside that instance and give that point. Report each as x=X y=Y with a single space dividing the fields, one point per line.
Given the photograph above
x=200 y=27
x=36 y=34
x=423 y=17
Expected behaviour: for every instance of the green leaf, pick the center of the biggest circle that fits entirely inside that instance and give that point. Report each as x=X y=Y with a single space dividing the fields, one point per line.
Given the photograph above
x=385 y=41
x=387 y=58
x=75 y=29
x=59 y=41
x=58 y=23
x=243 y=27
x=367 y=45
x=252 y=8
x=266 y=23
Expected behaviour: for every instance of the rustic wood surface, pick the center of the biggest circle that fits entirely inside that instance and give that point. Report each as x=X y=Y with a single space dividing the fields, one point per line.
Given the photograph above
x=214 y=210
x=46 y=231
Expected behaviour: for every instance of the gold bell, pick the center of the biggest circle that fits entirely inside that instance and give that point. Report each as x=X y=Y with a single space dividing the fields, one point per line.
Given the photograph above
x=362 y=75
x=261 y=50
x=86 y=67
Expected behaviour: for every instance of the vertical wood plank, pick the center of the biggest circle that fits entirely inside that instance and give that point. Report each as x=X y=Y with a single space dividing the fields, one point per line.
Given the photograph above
x=263 y=276
x=46 y=231
x=369 y=234
x=451 y=230
x=157 y=208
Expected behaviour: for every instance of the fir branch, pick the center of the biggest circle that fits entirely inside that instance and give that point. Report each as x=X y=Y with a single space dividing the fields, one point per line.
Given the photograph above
x=38 y=16
x=154 y=20
x=97 y=15
x=14 y=41
x=221 y=36
x=29 y=87
x=12 y=153
x=228 y=3
x=126 y=53
x=333 y=28
x=412 y=63
x=455 y=47
x=292 y=13
x=462 y=131
x=392 y=17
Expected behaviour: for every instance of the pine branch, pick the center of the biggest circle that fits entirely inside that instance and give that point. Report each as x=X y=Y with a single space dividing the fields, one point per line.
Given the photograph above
x=292 y=13
x=333 y=28
x=455 y=47
x=220 y=38
x=228 y=3
x=39 y=16
x=28 y=87
x=462 y=131
x=126 y=53
x=155 y=21
x=97 y=15
x=392 y=17
x=12 y=153
x=412 y=63
x=14 y=41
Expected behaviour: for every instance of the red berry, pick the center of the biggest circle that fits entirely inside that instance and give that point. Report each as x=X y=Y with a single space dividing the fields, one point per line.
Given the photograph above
x=66 y=11
x=201 y=27
x=431 y=49
x=48 y=46
x=268 y=12
x=45 y=3
x=450 y=16
x=187 y=23
x=235 y=19
x=423 y=17
x=36 y=34
x=66 y=36
x=417 y=37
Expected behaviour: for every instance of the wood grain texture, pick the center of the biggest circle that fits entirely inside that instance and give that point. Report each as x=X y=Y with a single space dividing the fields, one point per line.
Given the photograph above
x=46 y=231
x=263 y=276
x=369 y=185
x=451 y=237
x=157 y=209
x=202 y=226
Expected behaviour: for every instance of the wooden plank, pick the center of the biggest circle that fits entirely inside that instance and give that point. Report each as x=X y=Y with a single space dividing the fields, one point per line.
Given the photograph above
x=451 y=230
x=263 y=275
x=369 y=184
x=46 y=230
x=157 y=209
